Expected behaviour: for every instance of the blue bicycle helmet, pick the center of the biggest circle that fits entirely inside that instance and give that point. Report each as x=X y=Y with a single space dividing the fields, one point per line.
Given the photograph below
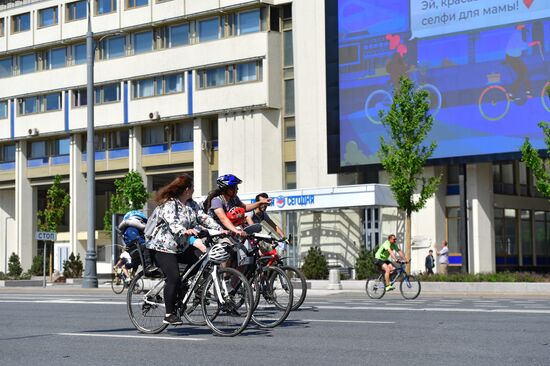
x=135 y=213
x=227 y=180
x=135 y=219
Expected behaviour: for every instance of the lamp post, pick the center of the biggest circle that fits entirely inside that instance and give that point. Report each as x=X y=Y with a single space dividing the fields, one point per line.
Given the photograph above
x=90 y=270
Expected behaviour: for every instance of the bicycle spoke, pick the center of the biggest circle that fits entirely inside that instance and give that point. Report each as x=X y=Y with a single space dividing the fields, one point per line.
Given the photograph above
x=275 y=300
x=146 y=309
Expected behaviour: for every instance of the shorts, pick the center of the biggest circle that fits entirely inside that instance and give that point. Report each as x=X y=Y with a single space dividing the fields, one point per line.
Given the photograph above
x=128 y=265
x=380 y=262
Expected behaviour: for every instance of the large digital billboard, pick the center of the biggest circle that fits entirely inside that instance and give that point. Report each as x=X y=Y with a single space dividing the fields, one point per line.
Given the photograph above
x=484 y=63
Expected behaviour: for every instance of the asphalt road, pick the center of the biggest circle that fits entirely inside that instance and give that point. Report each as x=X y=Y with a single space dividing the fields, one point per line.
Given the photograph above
x=91 y=327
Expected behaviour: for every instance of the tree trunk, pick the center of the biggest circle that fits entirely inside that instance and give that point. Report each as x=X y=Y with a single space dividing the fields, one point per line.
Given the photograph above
x=408 y=240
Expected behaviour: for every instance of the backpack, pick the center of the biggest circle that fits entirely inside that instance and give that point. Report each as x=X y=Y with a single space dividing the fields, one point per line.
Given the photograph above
x=152 y=224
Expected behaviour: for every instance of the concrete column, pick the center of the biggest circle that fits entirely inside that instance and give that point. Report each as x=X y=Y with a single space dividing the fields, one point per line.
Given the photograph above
x=79 y=204
x=134 y=157
x=480 y=201
x=202 y=153
x=8 y=243
x=25 y=208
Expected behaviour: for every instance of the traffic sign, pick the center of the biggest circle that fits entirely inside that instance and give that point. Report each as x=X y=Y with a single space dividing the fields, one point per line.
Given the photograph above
x=46 y=235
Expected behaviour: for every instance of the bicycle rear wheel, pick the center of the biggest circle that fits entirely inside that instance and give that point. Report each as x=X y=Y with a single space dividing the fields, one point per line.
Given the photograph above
x=275 y=297
x=227 y=302
x=117 y=283
x=375 y=287
x=146 y=309
x=299 y=286
x=410 y=287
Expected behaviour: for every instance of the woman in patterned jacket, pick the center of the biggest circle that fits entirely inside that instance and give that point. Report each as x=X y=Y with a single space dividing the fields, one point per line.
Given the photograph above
x=173 y=239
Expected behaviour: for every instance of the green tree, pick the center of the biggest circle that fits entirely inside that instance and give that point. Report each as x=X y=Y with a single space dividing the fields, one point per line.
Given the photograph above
x=535 y=162
x=364 y=264
x=73 y=267
x=57 y=200
x=14 y=266
x=130 y=194
x=405 y=154
x=37 y=268
x=315 y=264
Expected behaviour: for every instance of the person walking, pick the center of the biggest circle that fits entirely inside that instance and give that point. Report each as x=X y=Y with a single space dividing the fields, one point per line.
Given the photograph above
x=430 y=262
x=443 y=255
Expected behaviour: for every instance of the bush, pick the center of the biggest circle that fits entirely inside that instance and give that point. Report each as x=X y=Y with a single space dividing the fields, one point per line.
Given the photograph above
x=364 y=265
x=37 y=267
x=315 y=264
x=73 y=267
x=14 y=266
x=488 y=277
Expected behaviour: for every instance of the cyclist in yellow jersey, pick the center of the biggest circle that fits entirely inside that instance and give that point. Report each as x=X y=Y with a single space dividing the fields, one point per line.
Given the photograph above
x=386 y=256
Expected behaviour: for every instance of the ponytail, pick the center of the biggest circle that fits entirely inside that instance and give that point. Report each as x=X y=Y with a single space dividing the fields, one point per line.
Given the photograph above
x=207 y=202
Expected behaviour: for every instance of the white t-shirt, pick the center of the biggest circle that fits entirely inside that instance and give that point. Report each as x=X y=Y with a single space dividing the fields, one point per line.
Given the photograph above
x=126 y=255
x=444 y=256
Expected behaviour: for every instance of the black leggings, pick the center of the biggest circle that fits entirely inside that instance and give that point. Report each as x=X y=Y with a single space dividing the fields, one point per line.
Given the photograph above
x=168 y=263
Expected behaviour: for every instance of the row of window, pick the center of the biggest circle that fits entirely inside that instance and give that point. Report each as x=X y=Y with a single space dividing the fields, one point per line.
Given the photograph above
x=229 y=74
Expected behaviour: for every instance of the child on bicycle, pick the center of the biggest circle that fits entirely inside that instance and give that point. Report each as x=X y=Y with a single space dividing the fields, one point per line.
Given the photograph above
x=383 y=257
x=124 y=263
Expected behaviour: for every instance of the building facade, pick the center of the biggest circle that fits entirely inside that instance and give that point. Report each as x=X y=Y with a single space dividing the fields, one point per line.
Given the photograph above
x=210 y=87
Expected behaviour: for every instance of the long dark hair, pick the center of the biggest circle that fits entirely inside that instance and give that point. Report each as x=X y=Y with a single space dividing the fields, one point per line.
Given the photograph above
x=208 y=201
x=174 y=189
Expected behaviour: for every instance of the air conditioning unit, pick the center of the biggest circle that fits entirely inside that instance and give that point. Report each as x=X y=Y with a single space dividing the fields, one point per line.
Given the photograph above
x=154 y=116
x=33 y=131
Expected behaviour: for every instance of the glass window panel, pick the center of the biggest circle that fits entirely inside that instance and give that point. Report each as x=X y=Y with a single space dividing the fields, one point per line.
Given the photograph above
x=249 y=22
x=79 y=53
x=288 y=49
x=9 y=153
x=153 y=135
x=5 y=67
x=215 y=77
x=38 y=149
x=77 y=10
x=246 y=72
x=110 y=93
x=508 y=173
x=105 y=6
x=29 y=105
x=27 y=63
x=209 y=29
x=144 y=88
x=143 y=42
x=179 y=35
x=119 y=139
x=58 y=57
x=173 y=83
x=22 y=22
x=290 y=167
x=158 y=86
x=115 y=47
x=53 y=101
x=4 y=109
x=47 y=17
x=63 y=146
x=289 y=97
x=184 y=132
x=80 y=98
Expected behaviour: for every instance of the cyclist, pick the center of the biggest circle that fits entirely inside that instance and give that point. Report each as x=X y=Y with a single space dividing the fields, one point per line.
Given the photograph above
x=259 y=214
x=124 y=262
x=172 y=240
x=383 y=257
x=515 y=49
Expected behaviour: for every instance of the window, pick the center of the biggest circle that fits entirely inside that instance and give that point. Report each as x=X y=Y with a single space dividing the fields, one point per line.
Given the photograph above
x=107 y=93
x=27 y=63
x=57 y=58
x=119 y=139
x=80 y=98
x=5 y=67
x=77 y=10
x=288 y=49
x=248 y=22
x=155 y=135
x=209 y=29
x=38 y=149
x=61 y=147
x=7 y=153
x=290 y=175
x=224 y=75
x=3 y=109
x=247 y=72
x=143 y=42
x=1 y=27
x=289 y=97
x=52 y=102
x=41 y=103
x=47 y=17
x=79 y=53
x=158 y=86
x=136 y=3
x=183 y=132
x=290 y=128
x=105 y=6
x=503 y=177
x=28 y=105
x=21 y=23
x=113 y=47
x=179 y=35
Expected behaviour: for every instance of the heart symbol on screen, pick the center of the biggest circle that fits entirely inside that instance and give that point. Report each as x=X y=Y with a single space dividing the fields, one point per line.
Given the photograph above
x=528 y=3
x=394 y=40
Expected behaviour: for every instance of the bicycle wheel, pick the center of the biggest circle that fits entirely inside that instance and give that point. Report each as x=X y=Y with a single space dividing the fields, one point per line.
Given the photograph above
x=117 y=283
x=494 y=103
x=193 y=311
x=545 y=98
x=146 y=310
x=275 y=300
x=375 y=287
x=409 y=287
x=138 y=285
x=377 y=101
x=299 y=286
x=227 y=302
x=434 y=97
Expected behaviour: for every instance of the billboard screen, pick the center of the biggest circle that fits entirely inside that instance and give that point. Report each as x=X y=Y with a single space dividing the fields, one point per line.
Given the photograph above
x=484 y=63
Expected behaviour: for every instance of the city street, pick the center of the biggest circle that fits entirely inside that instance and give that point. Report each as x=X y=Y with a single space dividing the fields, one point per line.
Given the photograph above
x=69 y=326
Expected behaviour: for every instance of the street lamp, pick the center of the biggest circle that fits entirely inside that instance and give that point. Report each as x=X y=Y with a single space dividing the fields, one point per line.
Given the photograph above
x=90 y=270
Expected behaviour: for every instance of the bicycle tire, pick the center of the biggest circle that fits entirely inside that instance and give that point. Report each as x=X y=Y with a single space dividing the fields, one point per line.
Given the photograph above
x=146 y=310
x=299 y=286
x=231 y=317
x=275 y=300
x=410 y=287
x=138 y=286
x=193 y=310
x=117 y=284
x=500 y=93
x=375 y=287
x=387 y=100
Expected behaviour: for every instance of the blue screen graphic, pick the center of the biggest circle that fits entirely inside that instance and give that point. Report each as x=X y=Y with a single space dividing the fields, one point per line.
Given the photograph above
x=484 y=63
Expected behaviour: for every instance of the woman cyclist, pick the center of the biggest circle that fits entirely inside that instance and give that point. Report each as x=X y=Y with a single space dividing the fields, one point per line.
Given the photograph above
x=173 y=239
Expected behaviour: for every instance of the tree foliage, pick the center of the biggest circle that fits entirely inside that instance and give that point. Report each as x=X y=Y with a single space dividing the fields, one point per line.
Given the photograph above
x=57 y=200
x=364 y=264
x=37 y=267
x=130 y=194
x=315 y=264
x=73 y=267
x=14 y=266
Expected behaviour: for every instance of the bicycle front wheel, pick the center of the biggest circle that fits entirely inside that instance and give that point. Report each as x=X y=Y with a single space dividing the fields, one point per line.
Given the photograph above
x=193 y=311
x=146 y=309
x=299 y=286
x=138 y=285
x=227 y=302
x=117 y=283
x=375 y=287
x=409 y=287
x=275 y=297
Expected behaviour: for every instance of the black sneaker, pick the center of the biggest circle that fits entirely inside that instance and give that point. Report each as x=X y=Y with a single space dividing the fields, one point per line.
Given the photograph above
x=172 y=319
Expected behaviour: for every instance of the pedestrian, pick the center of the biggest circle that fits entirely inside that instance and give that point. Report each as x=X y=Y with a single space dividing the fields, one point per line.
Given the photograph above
x=430 y=262
x=443 y=255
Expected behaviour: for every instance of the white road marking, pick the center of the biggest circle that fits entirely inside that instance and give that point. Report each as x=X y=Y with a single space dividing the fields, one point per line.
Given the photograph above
x=345 y=321
x=182 y=338
x=463 y=310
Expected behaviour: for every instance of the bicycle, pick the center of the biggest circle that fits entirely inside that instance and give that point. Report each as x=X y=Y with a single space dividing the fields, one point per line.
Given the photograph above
x=224 y=295
x=409 y=285
x=118 y=281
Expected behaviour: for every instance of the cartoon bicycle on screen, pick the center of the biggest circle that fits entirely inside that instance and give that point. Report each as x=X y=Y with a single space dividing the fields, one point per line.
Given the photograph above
x=495 y=100
x=381 y=99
